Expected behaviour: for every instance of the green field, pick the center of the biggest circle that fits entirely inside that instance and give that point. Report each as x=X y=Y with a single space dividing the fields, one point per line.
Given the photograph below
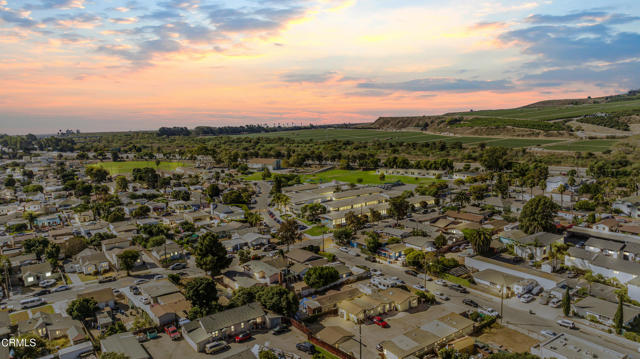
x=367 y=177
x=558 y=112
x=520 y=142
x=583 y=146
x=128 y=166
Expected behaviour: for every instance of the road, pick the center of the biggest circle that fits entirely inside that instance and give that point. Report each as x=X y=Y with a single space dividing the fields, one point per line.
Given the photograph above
x=515 y=313
x=262 y=203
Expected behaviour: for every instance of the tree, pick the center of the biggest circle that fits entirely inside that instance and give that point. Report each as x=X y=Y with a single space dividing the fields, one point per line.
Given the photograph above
x=122 y=184
x=36 y=346
x=212 y=192
x=82 y=308
x=566 y=302
x=266 y=173
x=478 y=191
x=97 y=174
x=267 y=354
x=561 y=189
x=278 y=299
x=461 y=198
x=253 y=218
x=201 y=292
x=288 y=232
x=342 y=236
x=211 y=255
x=373 y=242
x=480 y=240
x=537 y=215
x=128 y=259
x=141 y=211
x=30 y=217
x=174 y=278
x=495 y=159
x=73 y=246
x=501 y=187
x=52 y=253
x=415 y=259
x=312 y=212
x=318 y=277
x=450 y=353
x=37 y=246
x=398 y=207
x=440 y=241
x=618 y=318
x=354 y=221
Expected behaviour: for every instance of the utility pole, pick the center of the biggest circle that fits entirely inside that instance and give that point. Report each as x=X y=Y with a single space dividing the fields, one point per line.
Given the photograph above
x=502 y=299
x=360 y=329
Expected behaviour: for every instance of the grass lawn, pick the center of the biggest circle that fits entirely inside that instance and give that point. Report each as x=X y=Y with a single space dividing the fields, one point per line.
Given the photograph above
x=520 y=142
x=366 y=177
x=19 y=316
x=128 y=166
x=45 y=309
x=316 y=230
x=325 y=354
x=453 y=279
x=255 y=176
x=87 y=277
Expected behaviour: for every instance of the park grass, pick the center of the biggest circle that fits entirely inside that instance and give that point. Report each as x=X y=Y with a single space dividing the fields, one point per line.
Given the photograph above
x=255 y=176
x=362 y=177
x=316 y=231
x=127 y=167
x=584 y=146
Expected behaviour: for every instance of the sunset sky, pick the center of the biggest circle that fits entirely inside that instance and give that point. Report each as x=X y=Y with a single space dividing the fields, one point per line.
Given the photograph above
x=99 y=65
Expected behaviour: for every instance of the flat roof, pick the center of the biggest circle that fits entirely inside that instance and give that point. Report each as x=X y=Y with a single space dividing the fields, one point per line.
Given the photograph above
x=571 y=347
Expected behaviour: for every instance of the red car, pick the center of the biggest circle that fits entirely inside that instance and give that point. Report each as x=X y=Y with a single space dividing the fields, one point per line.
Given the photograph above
x=379 y=321
x=172 y=332
x=242 y=337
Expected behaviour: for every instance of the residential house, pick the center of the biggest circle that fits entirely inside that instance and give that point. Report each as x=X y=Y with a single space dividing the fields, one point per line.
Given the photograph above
x=53 y=326
x=565 y=346
x=32 y=274
x=628 y=206
x=104 y=297
x=156 y=289
x=90 y=261
x=536 y=246
x=225 y=324
x=170 y=250
x=604 y=311
x=607 y=225
x=603 y=246
x=126 y=344
x=50 y=220
x=228 y=213
x=479 y=263
x=262 y=163
x=250 y=239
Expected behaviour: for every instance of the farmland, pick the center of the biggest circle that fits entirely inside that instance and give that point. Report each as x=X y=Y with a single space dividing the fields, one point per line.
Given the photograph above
x=128 y=166
x=558 y=112
x=397 y=136
x=583 y=146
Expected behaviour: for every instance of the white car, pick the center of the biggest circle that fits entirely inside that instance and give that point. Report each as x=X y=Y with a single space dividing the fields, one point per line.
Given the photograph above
x=420 y=287
x=441 y=295
x=566 y=323
x=344 y=249
x=441 y=282
x=47 y=283
x=555 y=303
x=375 y=271
x=526 y=298
x=490 y=311
x=140 y=281
x=62 y=288
x=158 y=276
x=548 y=333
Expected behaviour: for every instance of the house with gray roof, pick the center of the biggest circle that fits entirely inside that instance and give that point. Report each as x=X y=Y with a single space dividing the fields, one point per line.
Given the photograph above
x=124 y=343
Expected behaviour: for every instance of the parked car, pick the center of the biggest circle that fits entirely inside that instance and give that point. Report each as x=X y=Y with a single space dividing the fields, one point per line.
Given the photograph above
x=306 y=347
x=183 y=321
x=470 y=302
x=566 y=323
x=441 y=295
x=142 y=338
x=379 y=347
x=42 y=292
x=375 y=271
x=280 y=329
x=146 y=300
x=216 y=347
x=572 y=274
x=158 y=276
x=526 y=298
x=489 y=311
x=62 y=288
x=420 y=287
x=116 y=292
x=242 y=337
x=47 y=283
x=548 y=333
x=344 y=249
x=537 y=290
x=172 y=332
x=424 y=276
x=152 y=334
x=269 y=247
x=380 y=322
x=106 y=279
x=177 y=266
x=441 y=282
x=555 y=303
x=135 y=290
x=370 y=259
x=411 y=272
x=140 y=281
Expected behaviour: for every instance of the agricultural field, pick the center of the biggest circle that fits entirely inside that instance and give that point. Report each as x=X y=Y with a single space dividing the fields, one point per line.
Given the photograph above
x=583 y=146
x=128 y=166
x=395 y=136
x=558 y=112
x=363 y=177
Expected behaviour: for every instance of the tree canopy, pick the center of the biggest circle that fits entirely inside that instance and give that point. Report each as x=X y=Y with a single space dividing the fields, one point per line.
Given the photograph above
x=537 y=215
x=211 y=256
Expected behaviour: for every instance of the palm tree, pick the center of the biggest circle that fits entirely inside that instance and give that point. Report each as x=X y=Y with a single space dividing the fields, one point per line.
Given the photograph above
x=31 y=217
x=480 y=240
x=561 y=189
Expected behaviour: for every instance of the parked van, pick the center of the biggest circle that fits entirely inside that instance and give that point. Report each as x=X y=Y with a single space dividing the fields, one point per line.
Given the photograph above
x=31 y=302
x=216 y=347
x=566 y=323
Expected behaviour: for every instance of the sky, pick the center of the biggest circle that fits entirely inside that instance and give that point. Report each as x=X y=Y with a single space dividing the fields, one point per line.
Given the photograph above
x=111 y=65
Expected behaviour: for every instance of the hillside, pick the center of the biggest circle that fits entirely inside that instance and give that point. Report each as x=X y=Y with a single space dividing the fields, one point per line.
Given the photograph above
x=603 y=116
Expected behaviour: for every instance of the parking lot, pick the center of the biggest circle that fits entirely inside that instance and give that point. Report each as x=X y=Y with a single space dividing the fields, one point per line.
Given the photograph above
x=163 y=347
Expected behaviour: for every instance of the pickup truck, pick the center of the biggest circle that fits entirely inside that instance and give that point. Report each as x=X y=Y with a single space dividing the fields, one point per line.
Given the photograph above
x=172 y=332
